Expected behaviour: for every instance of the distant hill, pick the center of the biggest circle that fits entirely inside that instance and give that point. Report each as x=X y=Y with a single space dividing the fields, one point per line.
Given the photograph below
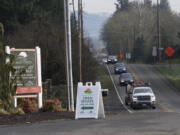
x=93 y=24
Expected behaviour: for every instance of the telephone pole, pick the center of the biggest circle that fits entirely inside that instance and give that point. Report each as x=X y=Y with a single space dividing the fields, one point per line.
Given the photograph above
x=158 y=33
x=68 y=55
x=80 y=37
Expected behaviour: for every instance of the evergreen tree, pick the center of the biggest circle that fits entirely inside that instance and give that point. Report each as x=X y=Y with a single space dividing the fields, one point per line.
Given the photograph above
x=122 y=5
x=164 y=5
x=148 y=3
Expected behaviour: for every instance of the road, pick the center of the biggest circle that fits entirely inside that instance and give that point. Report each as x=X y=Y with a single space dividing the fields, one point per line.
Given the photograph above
x=165 y=120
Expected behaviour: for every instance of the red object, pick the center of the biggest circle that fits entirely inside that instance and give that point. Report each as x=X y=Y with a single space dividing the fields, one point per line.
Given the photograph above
x=28 y=90
x=169 y=51
x=121 y=56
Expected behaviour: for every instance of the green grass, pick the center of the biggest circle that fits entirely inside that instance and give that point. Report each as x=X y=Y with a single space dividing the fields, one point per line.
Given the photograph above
x=172 y=61
x=172 y=74
x=104 y=78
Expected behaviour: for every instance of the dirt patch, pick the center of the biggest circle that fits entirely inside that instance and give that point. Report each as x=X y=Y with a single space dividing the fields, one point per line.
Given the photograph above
x=34 y=117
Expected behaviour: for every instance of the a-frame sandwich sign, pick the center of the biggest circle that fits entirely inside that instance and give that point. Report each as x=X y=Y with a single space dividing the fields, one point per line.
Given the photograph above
x=89 y=101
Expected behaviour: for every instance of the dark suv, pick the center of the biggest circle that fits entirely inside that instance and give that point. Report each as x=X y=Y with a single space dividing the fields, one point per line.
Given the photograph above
x=125 y=79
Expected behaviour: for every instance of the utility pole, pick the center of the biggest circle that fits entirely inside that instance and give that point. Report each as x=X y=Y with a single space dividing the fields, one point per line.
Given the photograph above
x=158 y=33
x=80 y=37
x=68 y=55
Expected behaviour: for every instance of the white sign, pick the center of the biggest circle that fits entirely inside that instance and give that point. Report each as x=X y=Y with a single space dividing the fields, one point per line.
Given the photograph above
x=89 y=101
x=128 y=55
x=154 y=51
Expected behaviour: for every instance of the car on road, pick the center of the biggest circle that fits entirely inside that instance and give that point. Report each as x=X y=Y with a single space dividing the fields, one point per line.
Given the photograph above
x=142 y=96
x=121 y=68
x=125 y=79
x=119 y=64
x=104 y=60
x=111 y=59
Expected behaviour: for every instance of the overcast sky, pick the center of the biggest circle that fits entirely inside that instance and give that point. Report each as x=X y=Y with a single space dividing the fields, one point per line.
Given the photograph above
x=107 y=6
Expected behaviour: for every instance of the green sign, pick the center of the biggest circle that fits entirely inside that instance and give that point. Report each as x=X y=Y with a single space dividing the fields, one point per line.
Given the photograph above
x=25 y=60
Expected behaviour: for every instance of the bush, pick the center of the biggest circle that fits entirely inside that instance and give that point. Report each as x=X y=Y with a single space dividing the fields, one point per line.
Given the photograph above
x=52 y=106
x=29 y=106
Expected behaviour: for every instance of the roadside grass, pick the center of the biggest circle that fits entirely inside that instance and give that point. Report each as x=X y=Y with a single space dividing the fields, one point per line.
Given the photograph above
x=172 y=74
x=172 y=61
x=103 y=77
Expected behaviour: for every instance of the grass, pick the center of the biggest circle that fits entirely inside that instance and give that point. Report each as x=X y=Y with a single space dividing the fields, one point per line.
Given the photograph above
x=172 y=61
x=104 y=78
x=172 y=74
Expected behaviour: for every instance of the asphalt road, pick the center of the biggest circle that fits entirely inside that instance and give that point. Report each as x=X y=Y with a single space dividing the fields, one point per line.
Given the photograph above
x=165 y=120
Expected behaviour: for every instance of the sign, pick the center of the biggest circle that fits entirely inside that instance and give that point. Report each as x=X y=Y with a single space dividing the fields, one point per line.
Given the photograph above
x=169 y=51
x=25 y=60
x=121 y=56
x=89 y=101
x=30 y=61
x=128 y=55
x=28 y=90
x=154 y=51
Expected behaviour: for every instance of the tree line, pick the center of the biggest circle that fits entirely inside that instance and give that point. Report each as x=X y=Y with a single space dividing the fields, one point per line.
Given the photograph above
x=30 y=23
x=133 y=29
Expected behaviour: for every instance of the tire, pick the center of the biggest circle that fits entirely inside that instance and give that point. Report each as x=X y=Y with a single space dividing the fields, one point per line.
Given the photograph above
x=126 y=102
x=132 y=106
x=153 y=107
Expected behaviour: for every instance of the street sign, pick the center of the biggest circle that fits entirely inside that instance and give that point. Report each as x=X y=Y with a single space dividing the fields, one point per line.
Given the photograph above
x=169 y=51
x=89 y=101
x=154 y=51
x=128 y=55
x=121 y=56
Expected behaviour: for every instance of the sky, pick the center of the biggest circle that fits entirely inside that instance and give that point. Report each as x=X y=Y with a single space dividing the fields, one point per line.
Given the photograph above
x=96 y=6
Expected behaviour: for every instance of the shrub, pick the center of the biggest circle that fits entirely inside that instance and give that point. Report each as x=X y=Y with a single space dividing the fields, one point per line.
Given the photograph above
x=29 y=106
x=52 y=106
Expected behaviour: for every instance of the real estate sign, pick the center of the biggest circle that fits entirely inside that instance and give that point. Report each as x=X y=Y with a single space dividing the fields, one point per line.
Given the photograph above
x=89 y=101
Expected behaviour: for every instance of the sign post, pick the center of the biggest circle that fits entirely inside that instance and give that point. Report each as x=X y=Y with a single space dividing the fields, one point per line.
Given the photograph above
x=169 y=52
x=89 y=101
x=154 y=53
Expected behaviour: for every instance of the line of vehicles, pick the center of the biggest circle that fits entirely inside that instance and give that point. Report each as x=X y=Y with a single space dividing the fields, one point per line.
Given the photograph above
x=138 y=93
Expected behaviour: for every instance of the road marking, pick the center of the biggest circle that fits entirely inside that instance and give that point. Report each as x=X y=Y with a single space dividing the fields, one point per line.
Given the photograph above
x=161 y=106
x=120 y=99
x=132 y=72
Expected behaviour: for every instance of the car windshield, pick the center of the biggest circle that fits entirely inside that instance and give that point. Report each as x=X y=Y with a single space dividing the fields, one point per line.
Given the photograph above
x=119 y=64
x=126 y=75
x=112 y=57
x=145 y=90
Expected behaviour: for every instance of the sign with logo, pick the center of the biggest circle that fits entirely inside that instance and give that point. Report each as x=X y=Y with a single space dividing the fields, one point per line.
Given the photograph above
x=89 y=101
x=28 y=61
x=25 y=60
x=169 y=51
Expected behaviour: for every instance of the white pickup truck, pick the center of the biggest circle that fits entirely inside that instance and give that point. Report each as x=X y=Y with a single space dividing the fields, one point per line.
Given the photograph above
x=142 y=96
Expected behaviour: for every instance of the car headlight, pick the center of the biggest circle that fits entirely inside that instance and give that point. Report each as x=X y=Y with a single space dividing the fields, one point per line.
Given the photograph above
x=134 y=97
x=122 y=80
x=116 y=69
x=115 y=59
x=153 y=98
x=124 y=69
x=132 y=80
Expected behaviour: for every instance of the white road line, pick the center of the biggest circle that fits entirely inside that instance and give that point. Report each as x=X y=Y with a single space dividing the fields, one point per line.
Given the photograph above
x=120 y=99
